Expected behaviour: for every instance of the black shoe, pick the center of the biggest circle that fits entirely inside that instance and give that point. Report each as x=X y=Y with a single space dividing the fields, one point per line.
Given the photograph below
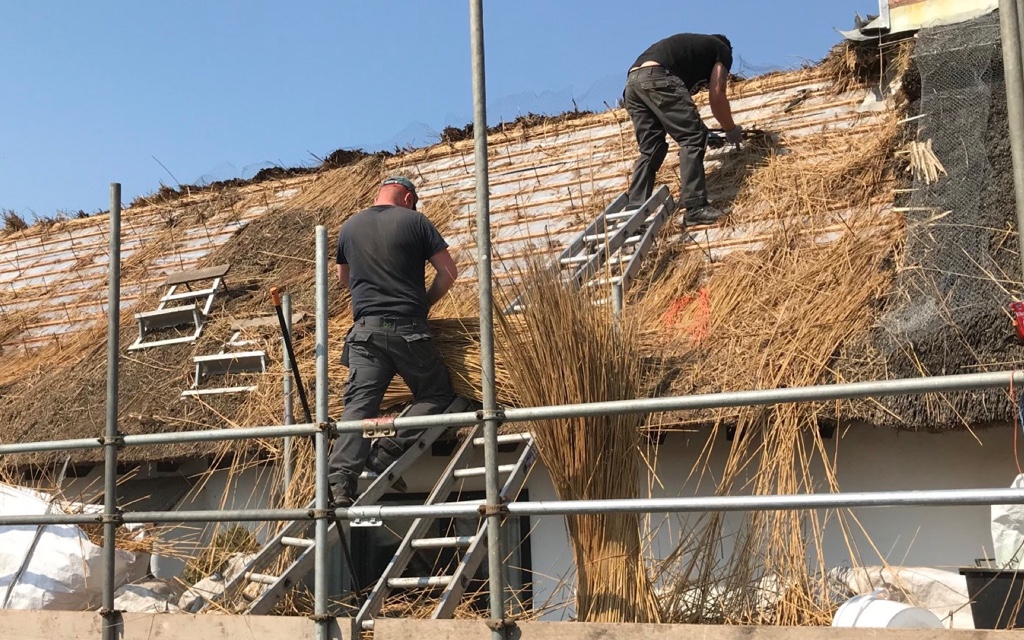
x=379 y=461
x=705 y=214
x=343 y=495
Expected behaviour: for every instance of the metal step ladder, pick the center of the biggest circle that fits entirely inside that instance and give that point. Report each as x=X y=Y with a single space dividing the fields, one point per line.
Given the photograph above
x=474 y=547
x=610 y=251
x=295 y=535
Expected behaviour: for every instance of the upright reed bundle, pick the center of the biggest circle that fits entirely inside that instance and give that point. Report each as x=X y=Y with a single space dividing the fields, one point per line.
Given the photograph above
x=564 y=350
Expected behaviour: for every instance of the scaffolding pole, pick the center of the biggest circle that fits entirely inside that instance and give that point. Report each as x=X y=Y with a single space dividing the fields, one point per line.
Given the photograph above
x=111 y=441
x=492 y=511
x=320 y=578
x=760 y=397
x=1013 y=67
x=703 y=504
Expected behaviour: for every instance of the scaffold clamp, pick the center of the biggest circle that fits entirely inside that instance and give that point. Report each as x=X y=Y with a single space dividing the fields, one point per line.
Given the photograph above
x=378 y=428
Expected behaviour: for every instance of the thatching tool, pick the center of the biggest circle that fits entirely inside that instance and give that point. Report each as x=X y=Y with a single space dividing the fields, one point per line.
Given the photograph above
x=716 y=137
x=275 y=297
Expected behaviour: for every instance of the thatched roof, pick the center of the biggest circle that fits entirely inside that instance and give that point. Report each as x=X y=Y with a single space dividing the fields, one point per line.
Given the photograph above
x=827 y=183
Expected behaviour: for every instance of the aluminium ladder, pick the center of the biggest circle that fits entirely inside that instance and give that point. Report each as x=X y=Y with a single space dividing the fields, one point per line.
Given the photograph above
x=612 y=247
x=293 y=535
x=474 y=546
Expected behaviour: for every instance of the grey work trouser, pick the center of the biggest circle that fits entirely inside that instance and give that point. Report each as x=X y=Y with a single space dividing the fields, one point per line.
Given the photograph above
x=659 y=103
x=375 y=350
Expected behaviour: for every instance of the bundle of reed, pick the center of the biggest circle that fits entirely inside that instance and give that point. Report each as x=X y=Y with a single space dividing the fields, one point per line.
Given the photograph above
x=563 y=349
x=458 y=340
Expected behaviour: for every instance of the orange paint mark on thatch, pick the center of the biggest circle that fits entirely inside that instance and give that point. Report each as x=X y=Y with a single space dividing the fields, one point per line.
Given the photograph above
x=700 y=328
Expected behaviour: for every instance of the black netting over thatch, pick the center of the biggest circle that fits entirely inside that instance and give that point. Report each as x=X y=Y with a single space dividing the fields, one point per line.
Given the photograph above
x=960 y=269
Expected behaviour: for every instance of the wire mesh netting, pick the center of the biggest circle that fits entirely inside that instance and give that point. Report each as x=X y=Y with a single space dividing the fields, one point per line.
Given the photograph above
x=959 y=272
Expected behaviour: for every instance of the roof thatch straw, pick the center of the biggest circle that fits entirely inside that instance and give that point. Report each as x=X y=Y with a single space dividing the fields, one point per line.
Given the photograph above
x=569 y=350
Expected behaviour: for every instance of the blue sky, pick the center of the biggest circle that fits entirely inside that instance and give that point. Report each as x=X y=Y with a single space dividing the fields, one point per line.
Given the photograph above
x=92 y=92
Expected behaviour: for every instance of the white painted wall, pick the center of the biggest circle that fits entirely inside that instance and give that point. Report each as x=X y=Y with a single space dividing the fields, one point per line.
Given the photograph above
x=869 y=459
x=249 y=488
x=222 y=489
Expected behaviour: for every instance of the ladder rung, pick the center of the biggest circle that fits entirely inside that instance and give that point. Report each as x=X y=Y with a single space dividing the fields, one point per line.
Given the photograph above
x=473 y=472
x=188 y=295
x=618 y=257
x=603 y=281
x=412 y=583
x=506 y=437
x=601 y=237
x=628 y=213
x=577 y=259
x=459 y=502
x=442 y=543
x=304 y=543
x=262 y=578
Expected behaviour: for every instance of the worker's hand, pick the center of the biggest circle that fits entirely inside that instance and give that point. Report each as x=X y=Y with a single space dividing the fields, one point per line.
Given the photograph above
x=734 y=135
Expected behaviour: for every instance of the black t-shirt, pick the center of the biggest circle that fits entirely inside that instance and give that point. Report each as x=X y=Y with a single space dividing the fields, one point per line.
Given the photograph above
x=689 y=56
x=386 y=249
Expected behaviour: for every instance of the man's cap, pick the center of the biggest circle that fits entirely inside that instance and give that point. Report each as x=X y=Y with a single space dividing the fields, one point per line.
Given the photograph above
x=401 y=181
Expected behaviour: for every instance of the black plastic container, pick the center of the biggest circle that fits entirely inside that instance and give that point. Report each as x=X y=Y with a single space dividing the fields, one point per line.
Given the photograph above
x=997 y=597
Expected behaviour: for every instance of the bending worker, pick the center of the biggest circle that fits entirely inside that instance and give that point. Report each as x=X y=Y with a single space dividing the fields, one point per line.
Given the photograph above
x=382 y=254
x=657 y=98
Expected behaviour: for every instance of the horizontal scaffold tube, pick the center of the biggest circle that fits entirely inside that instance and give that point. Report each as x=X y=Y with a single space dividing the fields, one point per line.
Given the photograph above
x=814 y=393
x=702 y=504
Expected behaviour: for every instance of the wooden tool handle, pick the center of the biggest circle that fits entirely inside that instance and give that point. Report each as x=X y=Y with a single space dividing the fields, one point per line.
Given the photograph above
x=275 y=296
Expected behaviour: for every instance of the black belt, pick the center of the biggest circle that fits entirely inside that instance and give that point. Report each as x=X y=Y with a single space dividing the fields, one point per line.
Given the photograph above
x=650 y=68
x=387 y=321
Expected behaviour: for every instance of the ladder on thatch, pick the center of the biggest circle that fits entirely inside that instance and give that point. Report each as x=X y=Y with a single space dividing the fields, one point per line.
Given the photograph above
x=609 y=252
x=236 y=356
x=294 y=535
x=189 y=307
x=473 y=547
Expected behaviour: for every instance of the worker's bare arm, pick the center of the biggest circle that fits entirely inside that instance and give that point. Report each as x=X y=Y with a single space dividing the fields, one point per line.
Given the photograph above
x=447 y=272
x=719 y=98
x=343 y=275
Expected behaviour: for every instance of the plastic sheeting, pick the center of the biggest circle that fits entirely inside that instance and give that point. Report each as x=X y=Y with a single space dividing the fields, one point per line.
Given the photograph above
x=64 y=569
x=1008 y=532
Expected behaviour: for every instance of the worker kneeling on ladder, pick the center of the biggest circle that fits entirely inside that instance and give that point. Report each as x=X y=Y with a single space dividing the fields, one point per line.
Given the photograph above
x=382 y=256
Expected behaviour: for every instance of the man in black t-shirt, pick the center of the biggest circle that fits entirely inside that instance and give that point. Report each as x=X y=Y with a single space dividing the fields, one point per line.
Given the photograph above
x=382 y=254
x=657 y=98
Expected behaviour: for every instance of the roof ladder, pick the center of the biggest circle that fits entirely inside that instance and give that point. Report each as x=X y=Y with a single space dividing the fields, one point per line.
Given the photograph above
x=236 y=356
x=225 y=363
x=190 y=307
x=611 y=249
x=472 y=548
x=296 y=535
